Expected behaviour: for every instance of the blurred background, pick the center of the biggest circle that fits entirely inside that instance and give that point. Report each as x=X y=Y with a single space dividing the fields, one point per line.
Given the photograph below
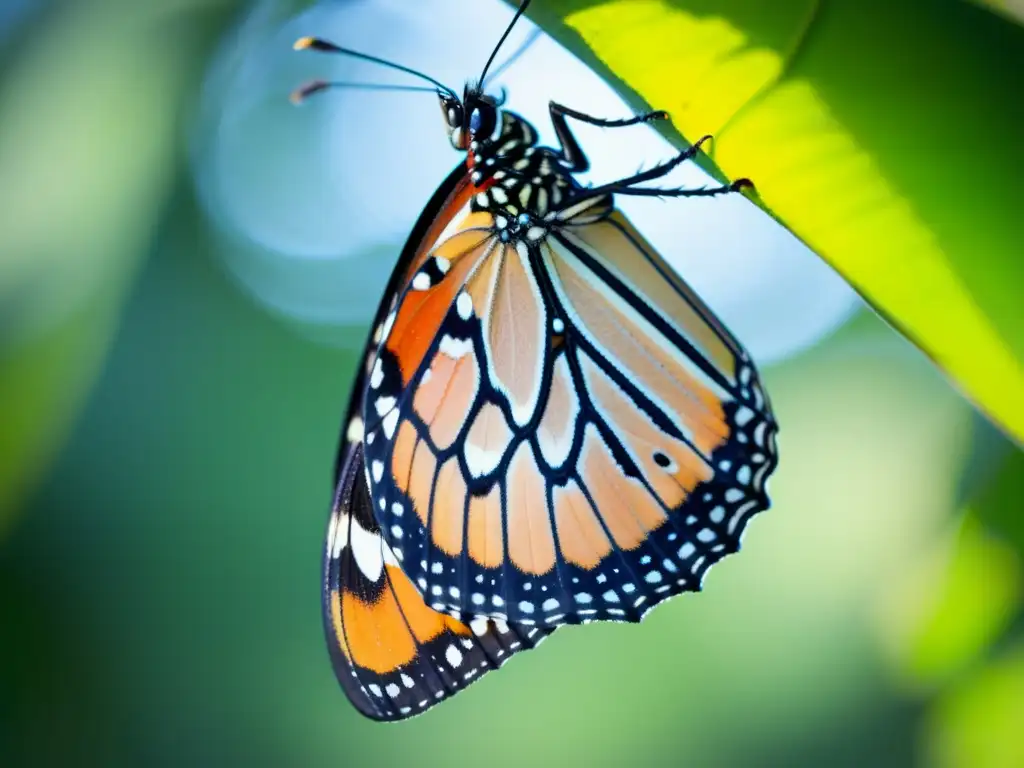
x=187 y=267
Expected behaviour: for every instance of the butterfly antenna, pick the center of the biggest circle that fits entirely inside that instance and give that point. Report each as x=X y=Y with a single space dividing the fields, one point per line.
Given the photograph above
x=532 y=38
x=522 y=8
x=316 y=44
x=316 y=86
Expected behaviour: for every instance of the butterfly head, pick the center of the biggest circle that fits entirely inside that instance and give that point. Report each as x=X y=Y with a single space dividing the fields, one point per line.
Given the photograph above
x=471 y=118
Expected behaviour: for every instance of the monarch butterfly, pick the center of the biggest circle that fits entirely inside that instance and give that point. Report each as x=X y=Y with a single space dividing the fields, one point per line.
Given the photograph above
x=550 y=427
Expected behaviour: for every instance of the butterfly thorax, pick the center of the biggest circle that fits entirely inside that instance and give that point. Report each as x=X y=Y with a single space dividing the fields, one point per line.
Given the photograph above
x=522 y=184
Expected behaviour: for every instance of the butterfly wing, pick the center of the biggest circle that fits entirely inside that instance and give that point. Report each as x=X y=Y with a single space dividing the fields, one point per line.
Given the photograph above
x=394 y=656
x=558 y=429
x=445 y=204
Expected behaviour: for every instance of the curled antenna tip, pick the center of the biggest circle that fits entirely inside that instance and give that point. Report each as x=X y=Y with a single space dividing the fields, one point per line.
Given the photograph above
x=316 y=44
x=299 y=95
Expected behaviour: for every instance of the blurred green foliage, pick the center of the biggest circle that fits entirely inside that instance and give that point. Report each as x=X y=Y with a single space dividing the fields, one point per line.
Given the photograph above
x=159 y=587
x=979 y=723
x=92 y=102
x=949 y=610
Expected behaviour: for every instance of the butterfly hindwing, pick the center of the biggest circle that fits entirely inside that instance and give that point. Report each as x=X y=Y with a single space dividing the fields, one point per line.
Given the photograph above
x=393 y=655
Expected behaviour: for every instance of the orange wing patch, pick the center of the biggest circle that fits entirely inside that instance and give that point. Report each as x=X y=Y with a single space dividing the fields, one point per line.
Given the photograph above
x=584 y=542
x=383 y=636
x=421 y=480
x=484 y=530
x=426 y=624
x=449 y=508
x=447 y=391
x=402 y=456
x=376 y=635
x=530 y=543
x=423 y=309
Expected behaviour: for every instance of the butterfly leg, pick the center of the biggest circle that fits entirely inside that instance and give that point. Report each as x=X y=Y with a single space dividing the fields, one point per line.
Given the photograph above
x=572 y=153
x=735 y=186
x=657 y=171
x=627 y=186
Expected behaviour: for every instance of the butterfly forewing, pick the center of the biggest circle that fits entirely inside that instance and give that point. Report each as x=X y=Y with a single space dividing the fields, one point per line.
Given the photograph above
x=559 y=429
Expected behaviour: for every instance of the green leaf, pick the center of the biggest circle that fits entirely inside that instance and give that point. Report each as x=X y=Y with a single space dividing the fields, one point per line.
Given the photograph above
x=885 y=134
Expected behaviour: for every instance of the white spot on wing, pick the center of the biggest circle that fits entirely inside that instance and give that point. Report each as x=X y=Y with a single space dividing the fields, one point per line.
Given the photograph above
x=479 y=625
x=354 y=433
x=377 y=374
x=333 y=538
x=743 y=416
x=455 y=348
x=453 y=656
x=366 y=549
x=390 y=423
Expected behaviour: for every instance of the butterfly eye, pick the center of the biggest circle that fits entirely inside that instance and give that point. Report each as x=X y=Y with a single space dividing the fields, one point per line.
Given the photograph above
x=475 y=121
x=452 y=111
